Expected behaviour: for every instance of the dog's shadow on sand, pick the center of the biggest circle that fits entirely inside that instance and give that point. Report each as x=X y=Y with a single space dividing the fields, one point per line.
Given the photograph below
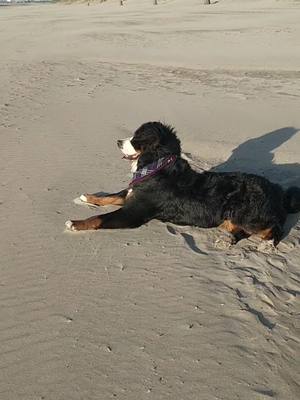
x=256 y=156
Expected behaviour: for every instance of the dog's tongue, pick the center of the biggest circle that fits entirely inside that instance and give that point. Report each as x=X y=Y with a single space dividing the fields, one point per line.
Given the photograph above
x=130 y=158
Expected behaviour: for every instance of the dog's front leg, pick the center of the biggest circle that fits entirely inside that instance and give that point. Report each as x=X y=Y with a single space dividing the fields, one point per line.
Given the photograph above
x=120 y=219
x=117 y=199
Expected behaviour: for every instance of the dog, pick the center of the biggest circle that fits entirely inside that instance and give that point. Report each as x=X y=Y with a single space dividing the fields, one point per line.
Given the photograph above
x=165 y=187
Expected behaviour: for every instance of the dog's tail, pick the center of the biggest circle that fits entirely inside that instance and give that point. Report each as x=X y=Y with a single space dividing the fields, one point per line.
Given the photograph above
x=292 y=200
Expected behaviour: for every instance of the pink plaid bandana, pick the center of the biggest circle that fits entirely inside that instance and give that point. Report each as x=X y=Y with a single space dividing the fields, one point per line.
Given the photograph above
x=152 y=169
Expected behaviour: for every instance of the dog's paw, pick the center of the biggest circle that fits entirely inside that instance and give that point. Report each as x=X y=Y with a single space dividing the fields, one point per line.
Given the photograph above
x=88 y=199
x=70 y=225
x=83 y=198
x=84 y=224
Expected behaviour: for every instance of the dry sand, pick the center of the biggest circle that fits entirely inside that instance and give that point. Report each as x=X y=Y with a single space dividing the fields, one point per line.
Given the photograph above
x=160 y=312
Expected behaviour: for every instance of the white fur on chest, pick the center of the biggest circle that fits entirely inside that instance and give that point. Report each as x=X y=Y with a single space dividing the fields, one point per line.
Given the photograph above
x=134 y=166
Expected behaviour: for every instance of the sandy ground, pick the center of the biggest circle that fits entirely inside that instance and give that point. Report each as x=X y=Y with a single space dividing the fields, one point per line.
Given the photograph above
x=160 y=312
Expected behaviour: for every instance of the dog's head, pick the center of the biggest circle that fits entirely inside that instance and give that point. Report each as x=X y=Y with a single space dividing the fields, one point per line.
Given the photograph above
x=151 y=141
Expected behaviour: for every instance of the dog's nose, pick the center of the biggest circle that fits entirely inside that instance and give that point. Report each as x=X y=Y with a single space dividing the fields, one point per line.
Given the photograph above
x=119 y=143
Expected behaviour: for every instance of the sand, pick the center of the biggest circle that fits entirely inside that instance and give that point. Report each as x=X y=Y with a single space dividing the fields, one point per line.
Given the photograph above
x=160 y=312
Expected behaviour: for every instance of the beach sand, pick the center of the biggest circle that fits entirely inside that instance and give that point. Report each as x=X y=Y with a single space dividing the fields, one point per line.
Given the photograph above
x=160 y=312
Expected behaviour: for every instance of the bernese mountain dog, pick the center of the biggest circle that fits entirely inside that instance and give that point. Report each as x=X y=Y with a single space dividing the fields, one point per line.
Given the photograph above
x=165 y=187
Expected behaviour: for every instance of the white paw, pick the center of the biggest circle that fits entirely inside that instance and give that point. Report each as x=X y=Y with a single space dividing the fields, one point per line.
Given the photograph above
x=82 y=200
x=69 y=225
